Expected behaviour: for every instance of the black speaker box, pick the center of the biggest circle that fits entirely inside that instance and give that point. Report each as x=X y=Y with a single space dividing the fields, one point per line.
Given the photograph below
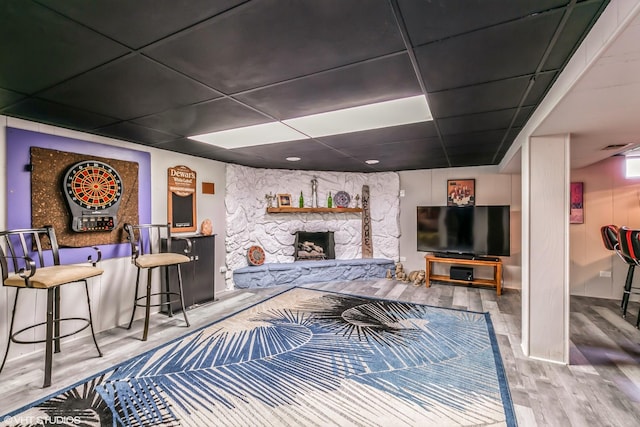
x=461 y=273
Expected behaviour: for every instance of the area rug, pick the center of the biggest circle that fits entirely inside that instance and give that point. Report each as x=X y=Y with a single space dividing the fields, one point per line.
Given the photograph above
x=302 y=358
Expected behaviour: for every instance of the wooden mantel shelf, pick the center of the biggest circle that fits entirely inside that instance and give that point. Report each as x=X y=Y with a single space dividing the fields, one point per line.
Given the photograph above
x=313 y=210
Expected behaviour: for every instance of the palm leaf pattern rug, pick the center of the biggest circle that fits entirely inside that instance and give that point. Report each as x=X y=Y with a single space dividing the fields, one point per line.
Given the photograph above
x=303 y=358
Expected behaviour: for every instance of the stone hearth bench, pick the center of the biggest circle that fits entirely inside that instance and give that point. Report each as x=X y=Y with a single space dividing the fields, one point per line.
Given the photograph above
x=303 y=272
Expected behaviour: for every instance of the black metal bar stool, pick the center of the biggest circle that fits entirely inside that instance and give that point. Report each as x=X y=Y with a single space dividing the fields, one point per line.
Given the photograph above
x=629 y=247
x=610 y=239
x=151 y=248
x=27 y=264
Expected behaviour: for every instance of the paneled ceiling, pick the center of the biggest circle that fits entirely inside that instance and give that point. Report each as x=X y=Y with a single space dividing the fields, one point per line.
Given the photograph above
x=153 y=72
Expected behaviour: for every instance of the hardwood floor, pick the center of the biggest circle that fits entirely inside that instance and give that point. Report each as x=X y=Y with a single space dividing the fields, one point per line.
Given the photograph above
x=601 y=386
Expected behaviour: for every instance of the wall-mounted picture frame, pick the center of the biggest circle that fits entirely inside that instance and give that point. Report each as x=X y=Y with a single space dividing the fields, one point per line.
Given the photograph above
x=576 y=209
x=461 y=192
x=284 y=200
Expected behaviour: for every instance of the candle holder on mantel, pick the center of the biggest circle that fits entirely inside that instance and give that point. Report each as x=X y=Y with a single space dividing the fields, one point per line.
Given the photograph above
x=314 y=192
x=270 y=198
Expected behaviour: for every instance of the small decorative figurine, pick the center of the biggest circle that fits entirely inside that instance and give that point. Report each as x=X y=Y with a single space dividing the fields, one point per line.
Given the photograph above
x=270 y=198
x=206 y=228
x=417 y=277
x=357 y=200
x=400 y=274
x=389 y=275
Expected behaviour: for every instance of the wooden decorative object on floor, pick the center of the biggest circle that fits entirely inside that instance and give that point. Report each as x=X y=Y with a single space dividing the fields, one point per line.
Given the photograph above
x=400 y=274
x=367 y=243
x=417 y=277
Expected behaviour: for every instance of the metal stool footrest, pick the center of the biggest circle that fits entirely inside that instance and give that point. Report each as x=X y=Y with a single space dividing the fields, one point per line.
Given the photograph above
x=143 y=304
x=17 y=341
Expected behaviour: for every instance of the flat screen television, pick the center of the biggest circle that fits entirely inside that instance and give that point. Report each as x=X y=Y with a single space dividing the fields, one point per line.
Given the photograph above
x=473 y=230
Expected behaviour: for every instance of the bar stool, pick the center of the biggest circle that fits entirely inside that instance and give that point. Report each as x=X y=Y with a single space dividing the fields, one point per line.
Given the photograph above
x=151 y=248
x=629 y=247
x=27 y=264
x=610 y=239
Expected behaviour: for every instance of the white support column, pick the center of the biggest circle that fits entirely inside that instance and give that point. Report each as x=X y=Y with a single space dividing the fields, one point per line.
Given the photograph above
x=545 y=248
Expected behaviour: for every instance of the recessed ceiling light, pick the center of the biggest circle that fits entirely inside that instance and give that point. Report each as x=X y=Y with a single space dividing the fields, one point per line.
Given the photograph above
x=372 y=162
x=293 y=159
x=372 y=116
x=266 y=133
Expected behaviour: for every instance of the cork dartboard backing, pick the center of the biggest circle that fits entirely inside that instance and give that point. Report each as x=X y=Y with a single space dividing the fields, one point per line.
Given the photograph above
x=49 y=206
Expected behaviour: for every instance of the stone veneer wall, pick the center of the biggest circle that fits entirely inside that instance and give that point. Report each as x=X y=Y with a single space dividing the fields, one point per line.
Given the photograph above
x=249 y=224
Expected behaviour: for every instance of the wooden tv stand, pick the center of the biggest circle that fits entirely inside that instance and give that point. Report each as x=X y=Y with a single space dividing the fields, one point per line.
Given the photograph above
x=495 y=282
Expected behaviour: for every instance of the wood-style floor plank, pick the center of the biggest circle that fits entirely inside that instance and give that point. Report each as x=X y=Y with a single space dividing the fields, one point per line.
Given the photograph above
x=601 y=387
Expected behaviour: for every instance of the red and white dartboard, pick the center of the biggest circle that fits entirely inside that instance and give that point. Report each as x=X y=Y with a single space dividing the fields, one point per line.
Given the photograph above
x=93 y=190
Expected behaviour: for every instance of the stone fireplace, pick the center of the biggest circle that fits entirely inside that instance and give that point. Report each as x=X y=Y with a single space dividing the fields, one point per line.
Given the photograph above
x=316 y=245
x=247 y=222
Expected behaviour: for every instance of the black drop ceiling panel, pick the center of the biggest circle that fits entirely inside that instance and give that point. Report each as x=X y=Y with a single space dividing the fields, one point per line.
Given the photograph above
x=486 y=97
x=313 y=155
x=510 y=138
x=474 y=143
x=71 y=65
x=132 y=132
x=43 y=111
x=129 y=88
x=422 y=130
x=523 y=115
x=480 y=158
x=271 y=41
x=582 y=17
x=306 y=149
x=335 y=162
x=8 y=97
x=499 y=52
x=187 y=146
x=500 y=119
x=540 y=88
x=137 y=23
x=42 y=48
x=368 y=82
x=209 y=116
x=419 y=148
x=418 y=154
x=428 y=21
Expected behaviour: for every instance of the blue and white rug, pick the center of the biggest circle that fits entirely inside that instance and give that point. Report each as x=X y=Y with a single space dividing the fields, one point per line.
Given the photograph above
x=303 y=358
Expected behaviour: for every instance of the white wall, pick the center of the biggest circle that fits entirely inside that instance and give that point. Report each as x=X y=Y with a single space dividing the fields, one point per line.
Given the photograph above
x=609 y=198
x=112 y=293
x=429 y=187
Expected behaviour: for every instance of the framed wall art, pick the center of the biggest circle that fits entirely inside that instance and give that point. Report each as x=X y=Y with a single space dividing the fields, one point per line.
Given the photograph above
x=576 y=210
x=284 y=200
x=461 y=192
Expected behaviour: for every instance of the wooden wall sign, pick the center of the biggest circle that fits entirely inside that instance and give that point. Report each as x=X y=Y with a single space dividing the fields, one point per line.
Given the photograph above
x=181 y=199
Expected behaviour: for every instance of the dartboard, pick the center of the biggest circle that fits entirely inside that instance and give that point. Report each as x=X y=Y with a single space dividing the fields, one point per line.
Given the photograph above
x=93 y=185
x=93 y=190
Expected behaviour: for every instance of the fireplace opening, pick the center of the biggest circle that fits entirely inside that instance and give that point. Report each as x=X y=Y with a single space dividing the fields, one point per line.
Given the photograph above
x=309 y=245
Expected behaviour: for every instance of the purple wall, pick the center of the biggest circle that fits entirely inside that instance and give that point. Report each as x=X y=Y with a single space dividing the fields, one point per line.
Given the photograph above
x=18 y=202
